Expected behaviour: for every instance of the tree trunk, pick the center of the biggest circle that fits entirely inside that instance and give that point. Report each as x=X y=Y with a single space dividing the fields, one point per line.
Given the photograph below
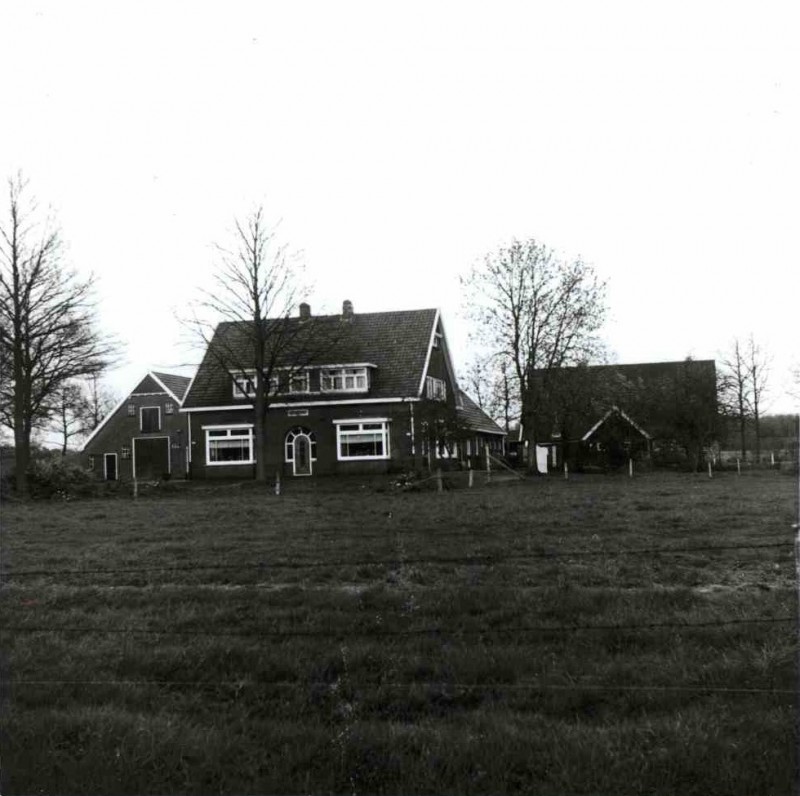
x=22 y=458
x=742 y=430
x=260 y=432
x=757 y=423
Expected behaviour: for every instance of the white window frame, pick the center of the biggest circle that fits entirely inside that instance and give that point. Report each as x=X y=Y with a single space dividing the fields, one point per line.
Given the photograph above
x=250 y=377
x=245 y=432
x=361 y=422
x=435 y=389
x=141 y=412
x=169 y=408
x=343 y=373
x=304 y=374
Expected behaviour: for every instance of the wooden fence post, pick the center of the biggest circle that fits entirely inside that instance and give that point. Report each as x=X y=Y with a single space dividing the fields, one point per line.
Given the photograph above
x=278 y=482
x=469 y=467
x=488 y=464
x=566 y=471
x=630 y=468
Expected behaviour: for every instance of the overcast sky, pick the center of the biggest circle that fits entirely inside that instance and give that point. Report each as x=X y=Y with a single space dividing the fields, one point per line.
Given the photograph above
x=400 y=142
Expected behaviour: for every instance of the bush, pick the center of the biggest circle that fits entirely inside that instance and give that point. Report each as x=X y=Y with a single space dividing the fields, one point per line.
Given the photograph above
x=49 y=478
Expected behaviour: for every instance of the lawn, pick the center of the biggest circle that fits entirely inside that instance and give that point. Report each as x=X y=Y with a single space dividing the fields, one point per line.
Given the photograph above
x=596 y=635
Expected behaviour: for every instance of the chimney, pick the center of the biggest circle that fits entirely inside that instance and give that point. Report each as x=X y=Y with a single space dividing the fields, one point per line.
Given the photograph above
x=347 y=309
x=305 y=311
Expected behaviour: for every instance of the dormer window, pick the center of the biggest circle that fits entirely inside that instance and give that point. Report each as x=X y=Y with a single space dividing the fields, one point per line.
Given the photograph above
x=344 y=380
x=300 y=382
x=244 y=385
x=436 y=389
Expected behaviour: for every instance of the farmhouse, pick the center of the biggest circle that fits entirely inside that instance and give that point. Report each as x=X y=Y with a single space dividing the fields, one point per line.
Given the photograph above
x=605 y=415
x=369 y=392
x=144 y=436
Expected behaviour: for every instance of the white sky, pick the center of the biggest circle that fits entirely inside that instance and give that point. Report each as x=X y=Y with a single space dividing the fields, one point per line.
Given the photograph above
x=399 y=142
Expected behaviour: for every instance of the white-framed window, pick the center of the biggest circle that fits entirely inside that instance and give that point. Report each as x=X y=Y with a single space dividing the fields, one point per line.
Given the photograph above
x=344 y=380
x=292 y=435
x=150 y=419
x=362 y=439
x=168 y=408
x=435 y=389
x=300 y=381
x=92 y=461
x=244 y=384
x=437 y=339
x=125 y=452
x=229 y=445
x=131 y=410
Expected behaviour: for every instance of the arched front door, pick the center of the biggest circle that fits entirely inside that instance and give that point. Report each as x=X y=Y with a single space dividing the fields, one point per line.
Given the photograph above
x=302 y=455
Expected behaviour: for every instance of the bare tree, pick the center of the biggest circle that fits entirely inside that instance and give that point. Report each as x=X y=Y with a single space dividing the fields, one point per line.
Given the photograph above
x=490 y=381
x=257 y=285
x=535 y=312
x=69 y=414
x=48 y=334
x=794 y=377
x=758 y=362
x=736 y=390
x=98 y=401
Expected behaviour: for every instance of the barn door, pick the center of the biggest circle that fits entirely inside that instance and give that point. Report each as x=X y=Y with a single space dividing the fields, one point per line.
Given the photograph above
x=151 y=458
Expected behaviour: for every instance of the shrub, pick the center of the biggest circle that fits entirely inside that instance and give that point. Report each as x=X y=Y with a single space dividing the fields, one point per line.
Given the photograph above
x=56 y=478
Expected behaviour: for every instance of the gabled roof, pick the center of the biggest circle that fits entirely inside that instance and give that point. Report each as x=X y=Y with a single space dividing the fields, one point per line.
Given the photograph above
x=397 y=343
x=618 y=411
x=475 y=418
x=173 y=385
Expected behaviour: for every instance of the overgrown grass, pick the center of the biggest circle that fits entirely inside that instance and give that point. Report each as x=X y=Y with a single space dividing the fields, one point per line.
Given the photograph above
x=506 y=639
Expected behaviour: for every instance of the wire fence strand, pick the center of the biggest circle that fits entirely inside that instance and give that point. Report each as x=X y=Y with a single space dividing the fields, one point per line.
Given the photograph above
x=382 y=633
x=474 y=560
x=443 y=686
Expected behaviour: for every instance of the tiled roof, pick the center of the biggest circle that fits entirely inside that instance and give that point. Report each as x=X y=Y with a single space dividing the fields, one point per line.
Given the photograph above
x=476 y=418
x=649 y=392
x=176 y=384
x=395 y=342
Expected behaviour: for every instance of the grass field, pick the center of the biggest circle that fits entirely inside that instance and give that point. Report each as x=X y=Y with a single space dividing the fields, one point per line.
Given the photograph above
x=599 y=635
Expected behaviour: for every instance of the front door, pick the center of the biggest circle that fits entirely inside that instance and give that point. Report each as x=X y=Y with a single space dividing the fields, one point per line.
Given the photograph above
x=110 y=466
x=302 y=455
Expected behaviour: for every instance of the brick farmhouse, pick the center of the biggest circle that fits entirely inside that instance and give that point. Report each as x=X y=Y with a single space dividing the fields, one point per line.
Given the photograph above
x=379 y=395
